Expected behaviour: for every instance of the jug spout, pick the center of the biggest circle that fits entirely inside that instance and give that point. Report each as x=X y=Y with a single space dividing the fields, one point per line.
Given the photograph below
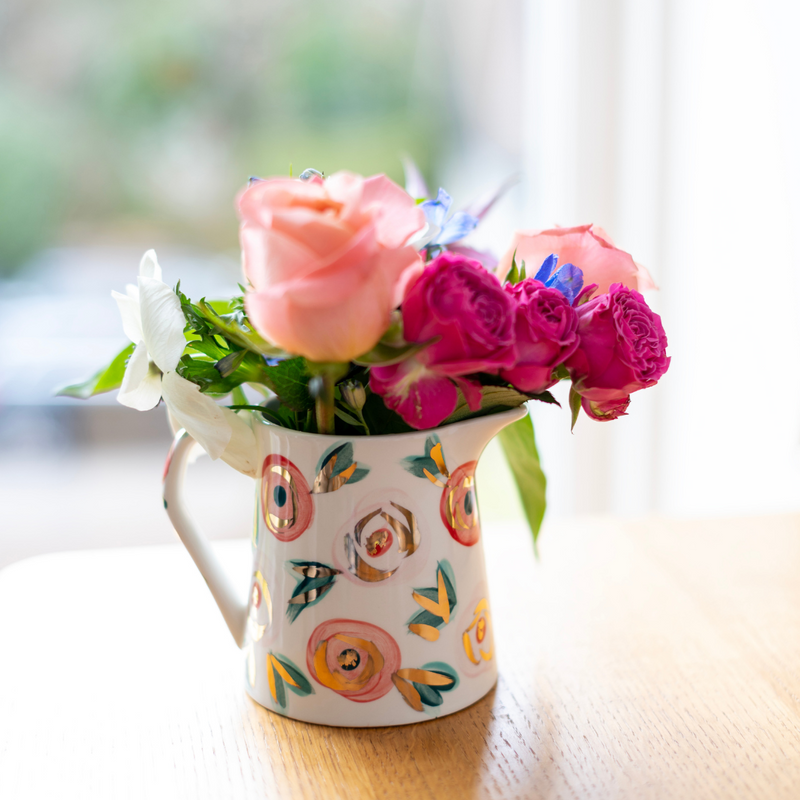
x=483 y=429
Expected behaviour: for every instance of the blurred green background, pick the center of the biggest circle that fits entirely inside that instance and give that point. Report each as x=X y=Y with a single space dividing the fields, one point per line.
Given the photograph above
x=137 y=122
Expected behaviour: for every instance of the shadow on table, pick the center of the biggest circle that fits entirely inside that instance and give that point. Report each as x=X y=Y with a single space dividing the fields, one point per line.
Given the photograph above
x=445 y=757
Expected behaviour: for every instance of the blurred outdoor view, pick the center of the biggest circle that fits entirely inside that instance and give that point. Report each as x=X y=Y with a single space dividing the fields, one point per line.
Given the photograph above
x=129 y=125
x=133 y=125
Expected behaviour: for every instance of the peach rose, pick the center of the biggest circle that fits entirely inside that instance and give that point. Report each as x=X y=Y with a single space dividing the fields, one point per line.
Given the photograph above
x=327 y=260
x=588 y=247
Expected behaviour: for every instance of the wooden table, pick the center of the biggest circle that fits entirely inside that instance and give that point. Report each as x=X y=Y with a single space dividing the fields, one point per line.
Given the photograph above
x=651 y=659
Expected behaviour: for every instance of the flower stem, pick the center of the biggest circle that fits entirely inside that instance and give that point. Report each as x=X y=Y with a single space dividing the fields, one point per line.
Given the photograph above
x=324 y=405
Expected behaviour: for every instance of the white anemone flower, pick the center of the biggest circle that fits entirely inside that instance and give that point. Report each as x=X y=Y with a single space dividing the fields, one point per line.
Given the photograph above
x=153 y=320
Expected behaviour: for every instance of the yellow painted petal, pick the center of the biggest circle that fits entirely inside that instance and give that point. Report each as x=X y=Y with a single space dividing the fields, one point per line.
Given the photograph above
x=271 y=676
x=432 y=478
x=444 y=603
x=410 y=694
x=438 y=458
x=281 y=670
x=429 y=605
x=427 y=632
x=425 y=677
x=468 y=648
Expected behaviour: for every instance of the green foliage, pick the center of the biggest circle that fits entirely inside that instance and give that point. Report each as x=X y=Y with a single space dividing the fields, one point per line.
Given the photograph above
x=495 y=399
x=574 y=406
x=519 y=445
x=517 y=273
x=104 y=380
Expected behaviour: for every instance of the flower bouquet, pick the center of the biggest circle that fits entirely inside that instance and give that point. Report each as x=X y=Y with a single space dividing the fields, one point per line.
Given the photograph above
x=364 y=314
x=368 y=361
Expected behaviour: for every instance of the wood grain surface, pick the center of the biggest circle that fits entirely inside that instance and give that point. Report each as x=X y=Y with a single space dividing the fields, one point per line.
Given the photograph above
x=638 y=660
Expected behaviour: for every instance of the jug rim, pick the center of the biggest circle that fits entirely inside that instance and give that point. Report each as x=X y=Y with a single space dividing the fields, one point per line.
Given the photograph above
x=512 y=414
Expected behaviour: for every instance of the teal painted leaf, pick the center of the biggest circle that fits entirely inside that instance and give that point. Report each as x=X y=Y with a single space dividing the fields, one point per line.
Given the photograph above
x=303 y=688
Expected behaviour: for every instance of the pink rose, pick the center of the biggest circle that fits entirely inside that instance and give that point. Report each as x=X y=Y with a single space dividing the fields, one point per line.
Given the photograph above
x=546 y=328
x=622 y=349
x=458 y=301
x=588 y=247
x=327 y=260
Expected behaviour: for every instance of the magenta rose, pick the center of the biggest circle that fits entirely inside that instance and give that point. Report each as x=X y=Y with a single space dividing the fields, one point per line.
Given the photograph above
x=622 y=349
x=546 y=329
x=464 y=307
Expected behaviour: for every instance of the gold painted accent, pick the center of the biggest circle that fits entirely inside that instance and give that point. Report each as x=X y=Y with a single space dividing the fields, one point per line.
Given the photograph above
x=377 y=541
x=410 y=694
x=425 y=677
x=281 y=670
x=408 y=540
x=462 y=523
x=364 y=644
x=314 y=571
x=274 y=522
x=310 y=595
x=444 y=603
x=358 y=567
x=438 y=459
x=334 y=680
x=271 y=677
x=481 y=612
x=433 y=479
x=468 y=648
x=362 y=523
x=327 y=482
x=427 y=632
x=429 y=605
x=265 y=595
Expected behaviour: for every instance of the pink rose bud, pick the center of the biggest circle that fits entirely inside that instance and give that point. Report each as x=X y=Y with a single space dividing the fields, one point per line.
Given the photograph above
x=546 y=328
x=327 y=260
x=588 y=247
x=464 y=307
x=622 y=349
x=606 y=410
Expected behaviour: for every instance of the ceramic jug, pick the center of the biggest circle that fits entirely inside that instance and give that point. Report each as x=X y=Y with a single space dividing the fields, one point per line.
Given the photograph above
x=368 y=603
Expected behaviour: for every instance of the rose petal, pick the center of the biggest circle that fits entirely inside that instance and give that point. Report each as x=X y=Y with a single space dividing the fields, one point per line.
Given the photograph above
x=399 y=216
x=141 y=384
x=162 y=323
x=197 y=413
x=471 y=390
x=421 y=397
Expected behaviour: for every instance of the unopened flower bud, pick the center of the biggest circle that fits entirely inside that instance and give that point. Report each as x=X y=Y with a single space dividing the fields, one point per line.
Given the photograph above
x=354 y=394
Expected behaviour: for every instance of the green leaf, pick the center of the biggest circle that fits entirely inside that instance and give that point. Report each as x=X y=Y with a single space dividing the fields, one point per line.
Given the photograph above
x=235 y=327
x=493 y=398
x=348 y=418
x=289 y=380
x=104 y=380
x=229 y=364
x=519 y=445
x=574 y=406
x=382 y=420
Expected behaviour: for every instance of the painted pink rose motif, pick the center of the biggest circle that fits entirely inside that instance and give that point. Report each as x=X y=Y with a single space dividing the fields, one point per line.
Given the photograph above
x=327 y=260
x=464 y=307
x=355 y=659
x=588 y=247
x=622 y=349
x=546 y=329
x=286 y=503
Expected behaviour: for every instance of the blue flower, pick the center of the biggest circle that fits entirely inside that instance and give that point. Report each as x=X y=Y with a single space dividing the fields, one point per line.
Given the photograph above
x=568 y=279
x=447 y=230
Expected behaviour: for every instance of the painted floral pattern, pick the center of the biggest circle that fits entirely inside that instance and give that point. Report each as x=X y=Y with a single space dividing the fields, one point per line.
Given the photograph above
x=286 y=502
x=352 y=658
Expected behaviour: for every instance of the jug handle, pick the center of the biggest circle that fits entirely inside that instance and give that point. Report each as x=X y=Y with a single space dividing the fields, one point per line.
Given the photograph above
x=233 y=610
